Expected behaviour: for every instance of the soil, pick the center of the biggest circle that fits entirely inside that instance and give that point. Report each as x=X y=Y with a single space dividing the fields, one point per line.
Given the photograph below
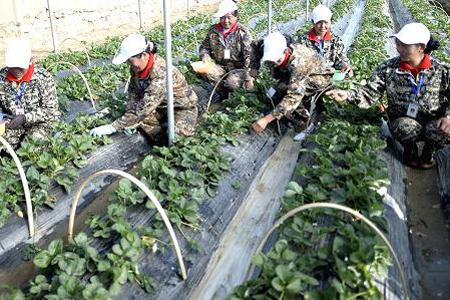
x=445 y=5
x=429 y=233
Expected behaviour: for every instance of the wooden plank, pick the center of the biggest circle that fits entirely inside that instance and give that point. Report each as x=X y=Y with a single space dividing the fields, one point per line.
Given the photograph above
x=396 y=217
x=443 y=167
x=228 y=266
x=216 y=214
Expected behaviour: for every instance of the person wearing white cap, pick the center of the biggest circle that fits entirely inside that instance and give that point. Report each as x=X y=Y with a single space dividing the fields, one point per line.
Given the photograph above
x=306 y=75
x=228 y=45
x=320 y=38
x=147 y=96
x=417 y=87
x=27 y=95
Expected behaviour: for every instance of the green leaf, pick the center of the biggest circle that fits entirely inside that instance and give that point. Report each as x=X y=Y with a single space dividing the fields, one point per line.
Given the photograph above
x=43 y=259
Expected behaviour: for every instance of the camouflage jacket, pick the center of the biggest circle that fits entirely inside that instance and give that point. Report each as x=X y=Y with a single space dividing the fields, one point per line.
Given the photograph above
x=433 y=96
x=214 y=44
x=147 y=95
x=307 y=75
x=39 y=100
x=333 y=50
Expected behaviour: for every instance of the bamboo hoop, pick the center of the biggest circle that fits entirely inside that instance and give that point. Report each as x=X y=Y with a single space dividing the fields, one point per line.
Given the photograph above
x=149 y=194
x=82 y=45
x=214 y=90
x=26 y=188
x=353 y=212
x=374 y=50
x=91 y=97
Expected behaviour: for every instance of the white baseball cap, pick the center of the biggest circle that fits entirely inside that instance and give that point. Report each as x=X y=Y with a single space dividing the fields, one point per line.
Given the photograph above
x=18 y=54
x=225 y=7
x=274 y=46
x=321 y=13
x=413 y=33
x=132 y=45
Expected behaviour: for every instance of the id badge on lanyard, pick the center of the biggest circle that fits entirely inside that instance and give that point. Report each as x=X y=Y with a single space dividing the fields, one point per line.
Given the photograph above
x=19 y=110
x=413 y=108
x=227 y=50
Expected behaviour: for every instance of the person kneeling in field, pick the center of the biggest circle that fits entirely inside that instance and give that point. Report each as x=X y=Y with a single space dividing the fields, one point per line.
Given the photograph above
x=417 y=87
x=329 y=47
x=302 y=74
x=227 y=47
x=147 y=97
x=27 y=95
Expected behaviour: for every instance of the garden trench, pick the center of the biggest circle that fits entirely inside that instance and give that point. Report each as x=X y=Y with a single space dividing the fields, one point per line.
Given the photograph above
x=248 y=160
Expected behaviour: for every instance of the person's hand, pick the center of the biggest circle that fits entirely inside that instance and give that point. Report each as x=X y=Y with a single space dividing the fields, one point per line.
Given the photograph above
x=248 y=84
x=102 y=130
x=262 y=123
x=254 y=73
x=444 y=125
x=338 y=95
x=17 y=122
x=348 y=70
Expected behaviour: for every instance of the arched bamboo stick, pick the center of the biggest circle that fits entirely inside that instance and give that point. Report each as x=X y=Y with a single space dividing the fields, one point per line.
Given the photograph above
x=150 y=195
x=26 y=189
x=353 y=212
x=82 y=77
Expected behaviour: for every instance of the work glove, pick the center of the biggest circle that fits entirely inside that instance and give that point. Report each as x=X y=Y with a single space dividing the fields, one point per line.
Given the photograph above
x=17 y=122
x=102 y=130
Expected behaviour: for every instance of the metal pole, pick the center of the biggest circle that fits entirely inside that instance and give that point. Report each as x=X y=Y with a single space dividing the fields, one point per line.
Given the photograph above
x=328 y=3
x=55 y=48
x=16 y=17
x=188 y=7
x=140 y=14
x=269 y=18
x=169 y=79
x=307 y=11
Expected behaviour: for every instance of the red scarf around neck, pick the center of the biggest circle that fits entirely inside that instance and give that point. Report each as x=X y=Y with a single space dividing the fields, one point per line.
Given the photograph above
x=424 y=64
x=225 y=31
x=25 y=78
x=286 y=58
x=312 y=36
x=144 y=73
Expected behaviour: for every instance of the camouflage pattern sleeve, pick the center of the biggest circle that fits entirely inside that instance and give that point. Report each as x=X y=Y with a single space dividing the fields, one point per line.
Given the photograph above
x=372 y=91
x=446 y=85
x=247 y=52
x=46 y=108
x=205 y=47
x=294 y=96
x=341 y=60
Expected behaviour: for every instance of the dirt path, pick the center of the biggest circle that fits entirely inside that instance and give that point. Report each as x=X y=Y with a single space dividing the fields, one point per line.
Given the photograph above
x=429 y=232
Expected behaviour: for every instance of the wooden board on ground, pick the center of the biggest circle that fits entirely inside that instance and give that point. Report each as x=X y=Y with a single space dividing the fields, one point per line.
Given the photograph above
x=216 y=214
x=443 y=166
x=229 y=264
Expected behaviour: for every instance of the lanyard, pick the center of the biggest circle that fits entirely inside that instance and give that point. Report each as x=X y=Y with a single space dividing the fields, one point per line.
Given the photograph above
x=20 y=93
x=320 y=45
x=142 y=88
x=229 y=39
x=416 y=88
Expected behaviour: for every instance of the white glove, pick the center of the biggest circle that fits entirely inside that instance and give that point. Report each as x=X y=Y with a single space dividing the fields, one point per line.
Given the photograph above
x=102 y=130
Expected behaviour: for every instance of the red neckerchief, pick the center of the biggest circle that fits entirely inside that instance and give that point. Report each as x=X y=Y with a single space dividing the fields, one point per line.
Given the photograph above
x=312 y=36
x=424 y=64
x=144 y=73
x=26 y=77
x=225 y=31
x=286 y=58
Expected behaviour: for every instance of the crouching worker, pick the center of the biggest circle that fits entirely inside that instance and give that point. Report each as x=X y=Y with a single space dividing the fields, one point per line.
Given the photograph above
x=418 y=94
x=329 y=47
x=27 y=95
x=228 y=45
x=147 y=98
x=305 y=75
